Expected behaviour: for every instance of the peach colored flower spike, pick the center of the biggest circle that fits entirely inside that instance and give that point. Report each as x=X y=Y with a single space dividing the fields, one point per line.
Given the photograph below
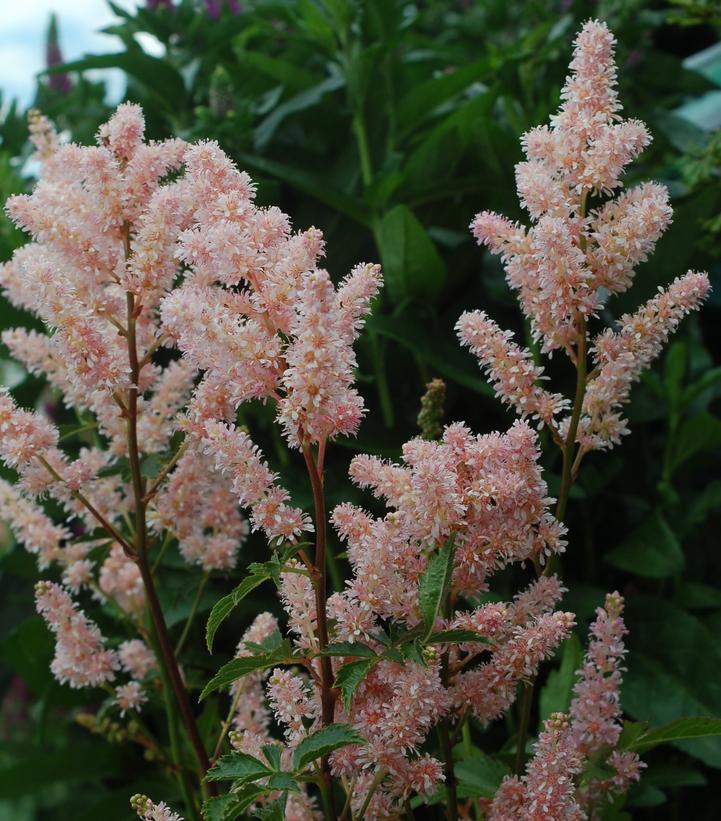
x=582 y=246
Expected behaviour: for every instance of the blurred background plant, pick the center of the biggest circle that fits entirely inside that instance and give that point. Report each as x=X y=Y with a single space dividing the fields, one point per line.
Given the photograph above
x=388 y=124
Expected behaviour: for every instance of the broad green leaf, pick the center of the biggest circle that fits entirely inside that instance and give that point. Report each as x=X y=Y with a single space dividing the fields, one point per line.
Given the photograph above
x=38 y=771
x=412 y=266
x=440 y=352
x=323 y=742
x=315 y=186
x=434 y=586
x=707 y=381
x=291 y=75
x=680 y=730
x=225 y=606
x=675 y=369
x=698 y=434
x=155 y=74
x=651 y=550
x=558 y=689
x=237 y=766
x=672 y=673
x=480 y=776
x=308 y=98
x=425 y=98
x=349 y=678
x=349 y=648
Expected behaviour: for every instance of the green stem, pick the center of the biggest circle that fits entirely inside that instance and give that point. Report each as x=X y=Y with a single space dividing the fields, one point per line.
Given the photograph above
x=379 y=368
x=363 y=149
x=191 y=615
x=444 y=736
x=380 y=775
x=171 y=715
x=524 y=721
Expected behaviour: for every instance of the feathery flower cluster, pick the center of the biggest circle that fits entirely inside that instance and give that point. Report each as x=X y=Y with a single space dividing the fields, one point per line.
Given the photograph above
x=565 y=265
x=592 y=729
x=150 y=811
x=81 y=659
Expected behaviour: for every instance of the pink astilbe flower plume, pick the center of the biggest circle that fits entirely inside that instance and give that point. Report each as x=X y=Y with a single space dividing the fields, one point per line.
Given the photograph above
x=567 y=263
x=550 y=787
x=81 y=659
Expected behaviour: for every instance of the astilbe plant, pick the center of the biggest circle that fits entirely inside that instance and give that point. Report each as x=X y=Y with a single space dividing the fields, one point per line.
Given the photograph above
x=170 y=299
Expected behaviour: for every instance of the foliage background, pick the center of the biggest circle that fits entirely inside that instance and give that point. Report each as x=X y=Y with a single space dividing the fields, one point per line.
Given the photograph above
x=388 y=124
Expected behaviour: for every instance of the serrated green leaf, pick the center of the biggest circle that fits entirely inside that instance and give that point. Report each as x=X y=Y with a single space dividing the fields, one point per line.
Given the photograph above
x=480 y=776
x=349 y=678
x=237 y=668
x=272 y=753
x=216 y=809
x=283 y=781
x=323 y=742
x=237 y=766
x=456 y=637
x=348 y=648
x=434 y=586
x=224 y=607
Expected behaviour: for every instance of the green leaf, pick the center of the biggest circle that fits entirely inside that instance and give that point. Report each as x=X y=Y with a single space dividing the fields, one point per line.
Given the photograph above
x=425 y=98
x=238 y=766
x=155 y=74
x=480 y=776
x=38 y=771
x=412 y=266
x=283 y=781
x=698 y=434
x=315 y=186
x=349 y=678
x=349 y=648
x=672 y=673
x=237 y=668
x=308 y=98
x=675 y=369
x=225 y=606
x=651 y=550
x=680 y=730
x=558 y=689
x=434 y=586
x=456 y=637
x=272 y=753
x=439 y=351
x=275 y=811
x=324 y=742
x=216 y=809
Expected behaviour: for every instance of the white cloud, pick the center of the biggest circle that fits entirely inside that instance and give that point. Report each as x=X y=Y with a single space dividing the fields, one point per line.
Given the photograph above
x=23 y=25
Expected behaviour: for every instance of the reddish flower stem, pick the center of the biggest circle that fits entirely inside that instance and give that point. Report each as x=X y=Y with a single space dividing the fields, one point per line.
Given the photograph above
x=327 y=696
x=166 y=656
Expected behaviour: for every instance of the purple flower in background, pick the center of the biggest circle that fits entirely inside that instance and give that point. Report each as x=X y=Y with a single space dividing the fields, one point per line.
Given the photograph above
x=54 y=57
x=213 y=9
x=153 y=5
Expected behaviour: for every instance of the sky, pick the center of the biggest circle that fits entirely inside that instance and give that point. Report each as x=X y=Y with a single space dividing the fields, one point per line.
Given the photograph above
x=23 y=24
